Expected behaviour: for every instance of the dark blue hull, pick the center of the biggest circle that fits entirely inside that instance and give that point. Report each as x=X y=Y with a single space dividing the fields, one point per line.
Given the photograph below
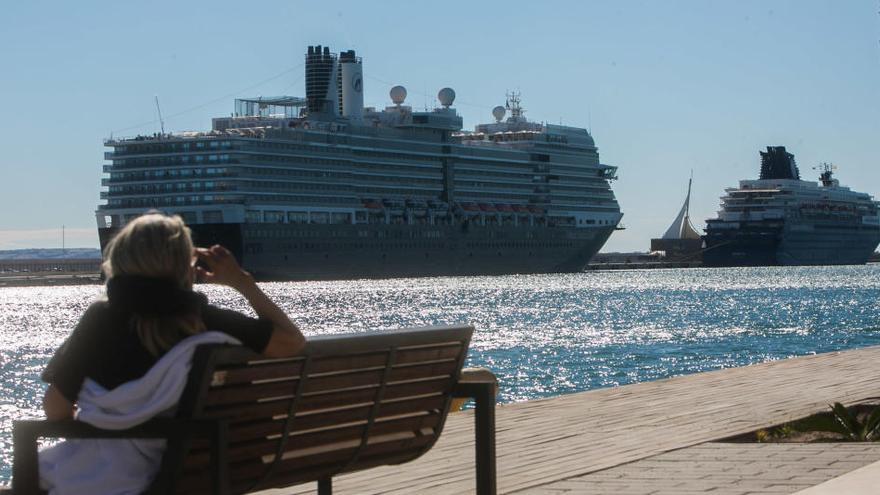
x=767 y=244
x=345 y=251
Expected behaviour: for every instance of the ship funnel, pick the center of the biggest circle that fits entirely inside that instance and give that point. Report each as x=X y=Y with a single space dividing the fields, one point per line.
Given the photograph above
x=777 y=163
x=351 y=85
x=322 y=92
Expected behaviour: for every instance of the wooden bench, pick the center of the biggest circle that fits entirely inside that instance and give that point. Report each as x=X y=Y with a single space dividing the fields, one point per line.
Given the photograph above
x=351 y=402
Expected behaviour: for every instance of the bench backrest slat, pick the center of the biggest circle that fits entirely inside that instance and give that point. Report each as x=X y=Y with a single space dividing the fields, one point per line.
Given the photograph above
x=349 y=403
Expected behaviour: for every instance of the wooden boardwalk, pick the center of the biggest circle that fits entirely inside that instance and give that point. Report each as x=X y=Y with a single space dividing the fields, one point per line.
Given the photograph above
x=545 y=441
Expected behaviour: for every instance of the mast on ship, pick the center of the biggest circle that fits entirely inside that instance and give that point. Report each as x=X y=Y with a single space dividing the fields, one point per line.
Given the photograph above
x=826 y=174
x=513 y=106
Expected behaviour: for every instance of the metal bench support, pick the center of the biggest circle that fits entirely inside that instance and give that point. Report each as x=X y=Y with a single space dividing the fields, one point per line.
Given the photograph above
x=482 y=386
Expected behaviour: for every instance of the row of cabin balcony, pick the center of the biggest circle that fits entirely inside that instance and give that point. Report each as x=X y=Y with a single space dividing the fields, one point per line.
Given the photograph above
x=197 y=200
x=580 y=199
x=245 y=171
x=251 y=187
x=187 y=146
x=257 y=186
x=173 y=161
x=175 y=146
x=134 y=178
x=284 y=161
x=263 y=157
x=390 y=218
x=591 y=179
x=409 y=216
x=166 y=188
x=170 y=201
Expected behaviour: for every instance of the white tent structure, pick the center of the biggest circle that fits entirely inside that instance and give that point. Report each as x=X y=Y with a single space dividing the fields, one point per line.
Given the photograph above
x=681 y=227
x=681 y=242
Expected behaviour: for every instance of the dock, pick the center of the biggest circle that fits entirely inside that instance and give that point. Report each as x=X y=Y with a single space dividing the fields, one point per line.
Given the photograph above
x=644 y=265
x=616 y=436
x=49 y=271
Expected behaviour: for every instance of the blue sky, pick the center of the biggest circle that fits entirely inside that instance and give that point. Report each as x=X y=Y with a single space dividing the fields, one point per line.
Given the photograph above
x=666 y=87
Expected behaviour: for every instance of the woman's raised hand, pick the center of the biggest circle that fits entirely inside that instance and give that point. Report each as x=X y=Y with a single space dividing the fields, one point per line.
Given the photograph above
x=222 y=268
x=286 y=339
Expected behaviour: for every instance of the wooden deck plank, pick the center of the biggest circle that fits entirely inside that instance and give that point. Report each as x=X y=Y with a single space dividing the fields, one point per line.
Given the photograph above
x=548 y=440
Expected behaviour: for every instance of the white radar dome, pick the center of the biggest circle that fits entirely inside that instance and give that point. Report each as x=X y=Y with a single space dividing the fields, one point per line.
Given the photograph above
x=498 y=112
x=446 y=96
x=398 y=94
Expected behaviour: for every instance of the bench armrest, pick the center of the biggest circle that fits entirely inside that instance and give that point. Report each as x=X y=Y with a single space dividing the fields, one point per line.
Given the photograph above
x=482 y=386
x=25 y=433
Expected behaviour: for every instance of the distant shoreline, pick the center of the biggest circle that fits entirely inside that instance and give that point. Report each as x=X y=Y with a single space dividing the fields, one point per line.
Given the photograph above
x=49 y=280
x=65 y=279
x=32 y=254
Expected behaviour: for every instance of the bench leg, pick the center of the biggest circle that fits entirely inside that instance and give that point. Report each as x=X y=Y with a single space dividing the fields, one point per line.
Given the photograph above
x=325 y=486
x=25 y=464
x=484 y=423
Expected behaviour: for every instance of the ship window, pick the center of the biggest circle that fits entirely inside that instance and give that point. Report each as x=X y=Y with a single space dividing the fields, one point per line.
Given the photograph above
x=340 y=218
x=297 y=217
x=274 y=216
x=212 y=216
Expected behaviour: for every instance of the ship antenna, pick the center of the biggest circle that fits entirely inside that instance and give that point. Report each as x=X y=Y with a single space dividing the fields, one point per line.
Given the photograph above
x=158 y=109
x=590 y=124
x=513 y=104
x=826 y=172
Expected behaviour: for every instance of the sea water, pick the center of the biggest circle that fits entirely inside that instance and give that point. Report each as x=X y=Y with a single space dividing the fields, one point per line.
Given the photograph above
x=542 y=335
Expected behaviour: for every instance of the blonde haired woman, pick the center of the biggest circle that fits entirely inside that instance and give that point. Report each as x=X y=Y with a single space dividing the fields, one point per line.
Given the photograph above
x=150 y=306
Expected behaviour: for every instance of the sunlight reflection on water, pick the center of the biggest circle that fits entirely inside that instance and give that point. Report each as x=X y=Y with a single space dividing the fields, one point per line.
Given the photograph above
x=541 y=334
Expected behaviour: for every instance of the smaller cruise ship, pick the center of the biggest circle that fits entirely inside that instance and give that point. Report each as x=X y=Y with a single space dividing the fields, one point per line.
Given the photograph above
x=780 y=219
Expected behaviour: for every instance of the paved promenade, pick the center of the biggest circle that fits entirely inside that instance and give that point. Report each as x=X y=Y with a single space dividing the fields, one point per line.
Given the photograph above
x=575 y=443
x=725 y=469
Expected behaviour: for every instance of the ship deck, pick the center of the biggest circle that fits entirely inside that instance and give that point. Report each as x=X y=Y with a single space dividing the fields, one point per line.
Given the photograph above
x=560 y=444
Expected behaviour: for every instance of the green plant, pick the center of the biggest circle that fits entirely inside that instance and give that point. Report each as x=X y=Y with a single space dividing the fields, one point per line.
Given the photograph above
x=845 y=422
x=784 y=431
x=853 y=427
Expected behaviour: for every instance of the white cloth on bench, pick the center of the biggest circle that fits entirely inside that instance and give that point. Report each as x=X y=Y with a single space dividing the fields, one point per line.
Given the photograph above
x=122 y=466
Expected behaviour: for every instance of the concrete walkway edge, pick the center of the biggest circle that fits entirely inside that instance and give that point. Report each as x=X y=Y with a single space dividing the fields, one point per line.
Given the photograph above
x=862 y=481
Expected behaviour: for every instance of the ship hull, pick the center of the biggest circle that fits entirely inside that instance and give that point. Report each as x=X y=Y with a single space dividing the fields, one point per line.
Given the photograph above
x=340 y=252
x=820 y=243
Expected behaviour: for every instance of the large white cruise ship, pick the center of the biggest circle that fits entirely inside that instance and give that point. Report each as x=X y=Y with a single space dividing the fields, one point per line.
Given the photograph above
x=782 y=220
x=323 y=188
